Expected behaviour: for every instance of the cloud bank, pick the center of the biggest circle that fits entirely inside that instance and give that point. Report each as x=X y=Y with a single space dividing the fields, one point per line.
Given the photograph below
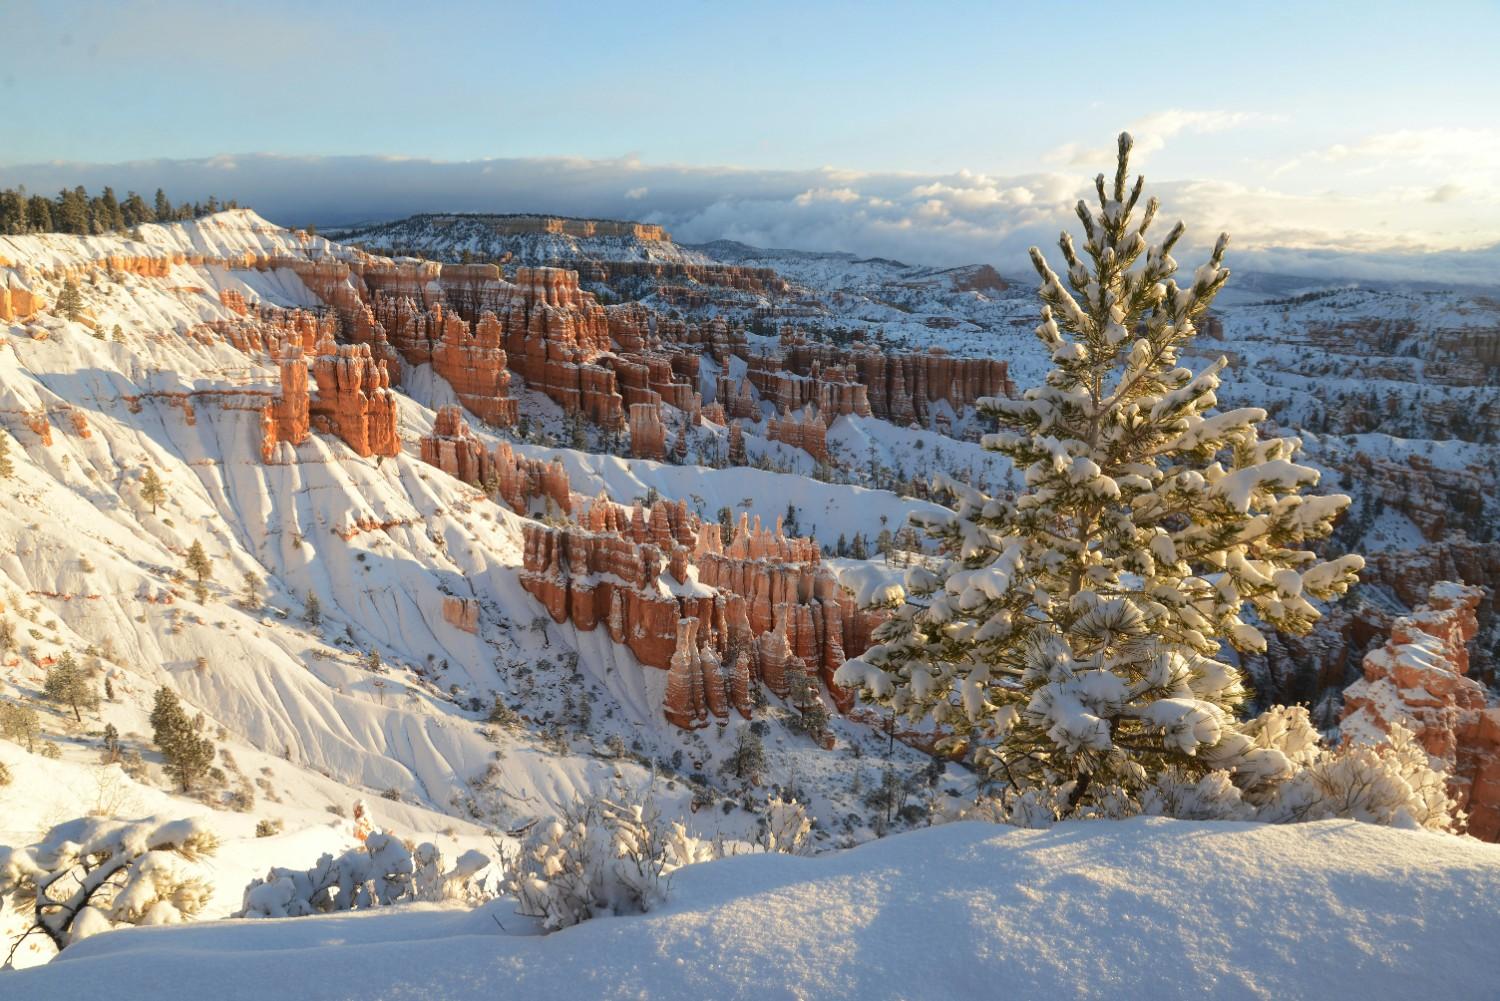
x=1412 y=233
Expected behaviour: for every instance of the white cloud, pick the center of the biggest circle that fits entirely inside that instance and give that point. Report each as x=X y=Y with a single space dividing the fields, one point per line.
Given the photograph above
x=1151 y=133
x=1433 y=147
x=636 y=194
x=811 y=195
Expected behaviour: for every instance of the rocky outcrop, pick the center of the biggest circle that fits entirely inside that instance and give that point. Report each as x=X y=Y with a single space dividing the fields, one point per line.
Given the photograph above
x=18 y=303
x=469 y=356
x=900 y=386
x=354 y=399
x=833 y=389
x=287 y=418
x=461 y=613
x=805 y=431
x=826 y=381
x=737 y=399
x=1419 y=678
x=527 y=486
x=648 y=436
x=234 y=301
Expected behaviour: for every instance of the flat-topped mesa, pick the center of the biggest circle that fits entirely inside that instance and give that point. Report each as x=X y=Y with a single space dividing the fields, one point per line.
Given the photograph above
x=1419 y=678
x=583 y=229
x=761 y=281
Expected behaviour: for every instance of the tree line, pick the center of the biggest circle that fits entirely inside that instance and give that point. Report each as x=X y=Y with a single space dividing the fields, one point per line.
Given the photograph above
x=76 y=211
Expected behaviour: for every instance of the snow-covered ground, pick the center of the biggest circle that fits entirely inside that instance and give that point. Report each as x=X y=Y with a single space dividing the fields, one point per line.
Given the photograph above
x=1145 y=908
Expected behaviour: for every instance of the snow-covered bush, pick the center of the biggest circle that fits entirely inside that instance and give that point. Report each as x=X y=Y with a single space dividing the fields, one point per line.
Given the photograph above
x=600 y=857
x=785 y=827
x=1392 y=782
x=1069 y=639
x=93 y=873
x=1033 y=808
x=472 y=880
x=380 y=872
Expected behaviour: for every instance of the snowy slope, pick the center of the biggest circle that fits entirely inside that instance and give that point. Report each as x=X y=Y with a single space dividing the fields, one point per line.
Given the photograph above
x=87 y=566
x=1140 y=908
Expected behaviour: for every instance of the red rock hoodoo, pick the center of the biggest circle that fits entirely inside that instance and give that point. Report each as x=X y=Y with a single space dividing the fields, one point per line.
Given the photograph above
x=1419 y=679
x=645 y=574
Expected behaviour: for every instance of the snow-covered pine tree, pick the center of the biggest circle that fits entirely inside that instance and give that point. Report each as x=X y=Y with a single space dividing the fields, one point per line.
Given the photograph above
x=20 y=723
x=253 y=600
x=1070 y=638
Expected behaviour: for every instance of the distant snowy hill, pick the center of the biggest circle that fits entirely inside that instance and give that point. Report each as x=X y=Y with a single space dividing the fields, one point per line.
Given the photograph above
x=528 y=239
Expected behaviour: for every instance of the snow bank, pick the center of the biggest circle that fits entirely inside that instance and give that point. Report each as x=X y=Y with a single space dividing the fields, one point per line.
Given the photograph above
x=1140 y=908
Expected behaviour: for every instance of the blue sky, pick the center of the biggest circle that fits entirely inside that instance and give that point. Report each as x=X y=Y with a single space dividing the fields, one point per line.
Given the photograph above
x=1370 y=126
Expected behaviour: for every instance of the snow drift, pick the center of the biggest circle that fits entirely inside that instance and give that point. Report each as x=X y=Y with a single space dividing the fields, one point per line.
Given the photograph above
x=1144 y=908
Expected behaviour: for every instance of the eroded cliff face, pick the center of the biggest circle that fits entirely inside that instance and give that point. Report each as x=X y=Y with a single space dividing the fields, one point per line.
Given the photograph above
x=805 y=430
x=527 y=486
x=618 y=366
x=353 y=399
x=722 y=620
x=1419 y=678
